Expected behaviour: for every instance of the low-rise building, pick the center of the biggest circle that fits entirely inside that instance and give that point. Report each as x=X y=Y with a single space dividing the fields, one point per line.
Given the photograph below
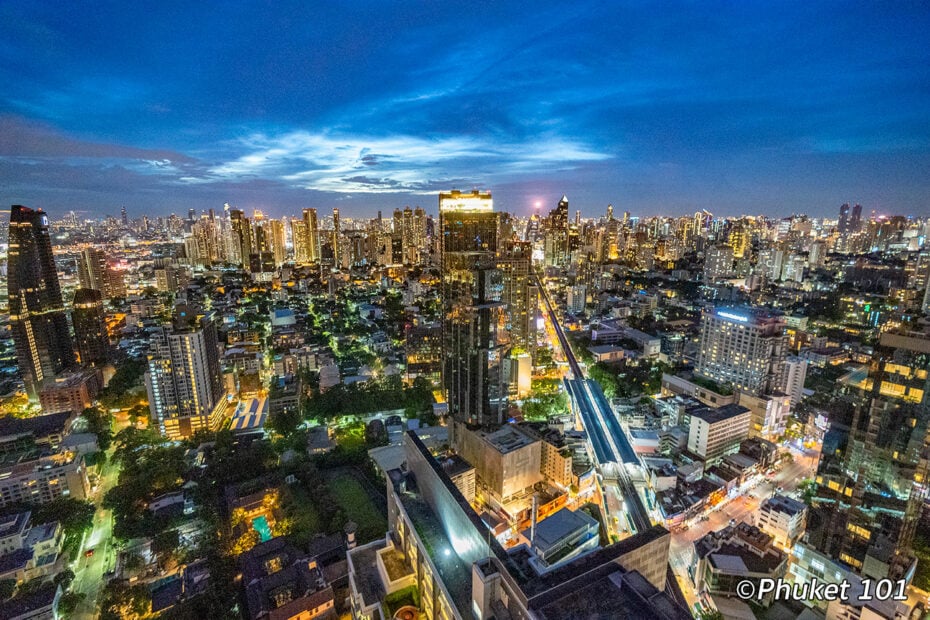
x=281 y=583
x=715 y=433
x=43 y=479
x=72 y=391
x=737 y=553
x=783 y=518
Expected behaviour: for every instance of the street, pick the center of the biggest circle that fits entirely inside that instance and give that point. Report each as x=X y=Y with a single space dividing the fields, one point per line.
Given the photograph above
x=741 y=508
x=89 y=571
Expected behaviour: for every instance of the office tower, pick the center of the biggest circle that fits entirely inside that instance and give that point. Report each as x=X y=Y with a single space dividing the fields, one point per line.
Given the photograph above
x=842 y=225
x=299 y=241
x=872 y=477
x=312 y=230
x=718 y=263
x=241 y=237
x=123 y=217
x=556 y=235
x=37 y=314
x=743 y=348
x=520 y=294
x=855 y=220
x=94 y=272
x=475 y=342
x=184 y=380
x=337 y=257
x=276 y=236
x=90 y=327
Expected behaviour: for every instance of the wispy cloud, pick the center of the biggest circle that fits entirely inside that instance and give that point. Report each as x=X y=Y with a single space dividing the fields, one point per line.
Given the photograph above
x=371 y=164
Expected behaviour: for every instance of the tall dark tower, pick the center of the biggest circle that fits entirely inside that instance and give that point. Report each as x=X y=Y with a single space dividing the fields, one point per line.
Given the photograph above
x=90 y=327
x=842 y=226
x=37 y=314
x=475 y=342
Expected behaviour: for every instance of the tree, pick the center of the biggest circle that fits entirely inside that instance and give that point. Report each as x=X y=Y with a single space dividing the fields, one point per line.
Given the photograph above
x=122 y=601
x=98 y=423
x=64 y=578
x=69 y=602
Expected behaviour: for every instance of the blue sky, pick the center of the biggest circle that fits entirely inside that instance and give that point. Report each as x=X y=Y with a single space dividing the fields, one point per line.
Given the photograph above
x=736 y=107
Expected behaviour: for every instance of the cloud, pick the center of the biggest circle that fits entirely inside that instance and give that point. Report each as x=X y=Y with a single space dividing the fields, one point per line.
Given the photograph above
x=339 y=163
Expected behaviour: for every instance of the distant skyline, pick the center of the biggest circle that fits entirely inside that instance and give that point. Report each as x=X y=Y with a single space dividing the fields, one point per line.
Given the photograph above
x=745 y=107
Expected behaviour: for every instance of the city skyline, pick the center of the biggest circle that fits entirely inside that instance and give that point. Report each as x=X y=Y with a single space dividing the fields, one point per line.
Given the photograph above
x=737 y=110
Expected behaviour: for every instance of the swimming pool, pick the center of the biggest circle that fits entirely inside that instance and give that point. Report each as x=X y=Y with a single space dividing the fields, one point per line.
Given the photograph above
x=260 y=524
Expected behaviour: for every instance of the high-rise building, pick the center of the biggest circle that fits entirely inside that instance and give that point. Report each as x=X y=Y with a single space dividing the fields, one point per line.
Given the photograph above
x=556 y=235
x=241 y=230
x=184 y=380
x=855 y=220
x=743 y=348
x=95 y=272
x=37 y=314
x=90 y=327
x=718 y=263
x=842 y=225
x=873 y=471
x=299 y=242
x=278 y=247
x=312 y=230
x=520 y=294
x=475 y=340
x=336 y=240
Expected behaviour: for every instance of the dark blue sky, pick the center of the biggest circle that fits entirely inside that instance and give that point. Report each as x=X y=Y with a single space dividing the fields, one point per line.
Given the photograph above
x=738 y=107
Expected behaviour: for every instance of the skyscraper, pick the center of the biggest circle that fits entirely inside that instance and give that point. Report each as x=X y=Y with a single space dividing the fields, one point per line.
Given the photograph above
x=475 y=340
x=90 y=328
x=241 y=237
x=37 y=314
x=556 y=237
x=184 y=380
x=95 y=272
x=873 y=472
x=312 y=230
x=842 y=225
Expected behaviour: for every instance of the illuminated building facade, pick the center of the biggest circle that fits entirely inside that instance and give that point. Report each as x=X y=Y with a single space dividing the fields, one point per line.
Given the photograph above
x=184 y=380
x=742 y=348
x=872 y=477
x=475 y=344
x=37 y=314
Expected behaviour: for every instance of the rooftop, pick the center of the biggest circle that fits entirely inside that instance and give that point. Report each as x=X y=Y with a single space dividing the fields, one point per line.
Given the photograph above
x=508 y=438
x=557 y=526
x=720 y=414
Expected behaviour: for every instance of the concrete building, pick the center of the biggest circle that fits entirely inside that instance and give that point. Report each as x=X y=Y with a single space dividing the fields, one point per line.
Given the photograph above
x=439 y=546
x=43 y=479
x=795 y=376
x=782 y=518
x=561 y=537
x=734 y=554
x=71 y=391
x=576 y=298
x=507 y=461
x=184 y=380
x=743 y=348
x=715 y=433
x=718 y=263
